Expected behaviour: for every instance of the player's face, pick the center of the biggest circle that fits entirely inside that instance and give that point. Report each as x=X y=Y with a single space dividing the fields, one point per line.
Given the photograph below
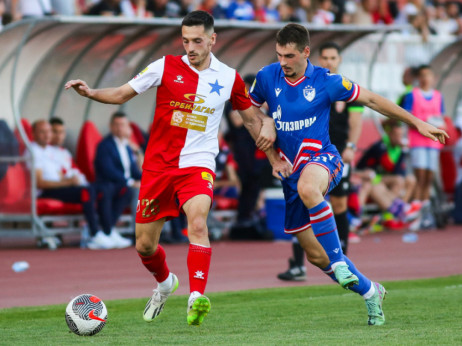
x=330 y=59
x=396 y=135
x=59 y=134
x=198 y=44
x=42 y=133
x=293 y=62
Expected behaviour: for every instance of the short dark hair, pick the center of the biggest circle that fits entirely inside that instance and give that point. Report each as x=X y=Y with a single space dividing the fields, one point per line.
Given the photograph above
x=118 y=115
x=330 y=45
x=423 y=67
x=197 y=18
x=294 y=33
x=56 y=121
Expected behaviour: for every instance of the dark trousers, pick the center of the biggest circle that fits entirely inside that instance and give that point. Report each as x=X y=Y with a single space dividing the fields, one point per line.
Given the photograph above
x=77 y=194
x=112 y=201
x=458 y=204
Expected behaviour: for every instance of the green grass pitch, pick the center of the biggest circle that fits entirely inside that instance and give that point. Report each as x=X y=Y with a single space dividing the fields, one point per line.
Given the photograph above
x=418 y=312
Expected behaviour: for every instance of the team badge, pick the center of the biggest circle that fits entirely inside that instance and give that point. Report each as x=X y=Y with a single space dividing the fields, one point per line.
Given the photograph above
x=309 y=93
x=177 y=117
x=179 y=79
x=346 y=83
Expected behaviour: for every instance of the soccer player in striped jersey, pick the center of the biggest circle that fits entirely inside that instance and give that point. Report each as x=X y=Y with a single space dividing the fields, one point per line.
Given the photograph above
x=178 y=170
x=299 y=96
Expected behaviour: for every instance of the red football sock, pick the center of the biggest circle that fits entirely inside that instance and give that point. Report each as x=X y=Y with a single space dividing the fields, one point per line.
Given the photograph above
x=156 y=264
x=198 y=267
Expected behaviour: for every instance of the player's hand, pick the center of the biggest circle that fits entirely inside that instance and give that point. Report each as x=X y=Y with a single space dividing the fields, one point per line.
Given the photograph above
x=348 y=155
x=79 y=86
x=267 y=135
x=281 y=169
x=430 y=131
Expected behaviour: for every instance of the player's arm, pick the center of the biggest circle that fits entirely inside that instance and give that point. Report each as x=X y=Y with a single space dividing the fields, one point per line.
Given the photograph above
x=354 y=132
x=48 y=184
x=391 y=110
x=261 y=129
x=116 y=95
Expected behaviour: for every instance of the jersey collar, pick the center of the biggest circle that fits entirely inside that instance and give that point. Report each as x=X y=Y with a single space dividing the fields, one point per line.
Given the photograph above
x=308 y=73
x=214 y=63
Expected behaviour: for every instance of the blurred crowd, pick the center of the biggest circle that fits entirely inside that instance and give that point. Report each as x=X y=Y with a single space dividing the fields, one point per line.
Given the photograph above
x=441 y=17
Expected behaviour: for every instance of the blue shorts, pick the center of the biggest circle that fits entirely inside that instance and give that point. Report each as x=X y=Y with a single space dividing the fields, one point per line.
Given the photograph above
x=297 y=216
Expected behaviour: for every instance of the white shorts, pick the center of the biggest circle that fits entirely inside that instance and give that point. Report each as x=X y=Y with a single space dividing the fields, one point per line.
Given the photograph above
x=425 y=158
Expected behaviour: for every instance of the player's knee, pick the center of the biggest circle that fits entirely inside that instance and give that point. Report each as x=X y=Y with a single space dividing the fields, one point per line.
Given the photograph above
x=308 y=192
x=145 y=246
x=197 y=226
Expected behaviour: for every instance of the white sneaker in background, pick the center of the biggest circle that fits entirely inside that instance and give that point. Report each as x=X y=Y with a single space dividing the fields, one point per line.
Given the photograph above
x=100 y=241
x=119 y=241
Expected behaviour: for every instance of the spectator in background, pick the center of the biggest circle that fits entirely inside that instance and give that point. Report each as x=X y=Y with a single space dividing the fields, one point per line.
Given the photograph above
x=22 y=9
x=286 y=10
x=134 y=8
x=116 y=173
x=63 y=156
x=324 y=14
x=105 y=8
x=52 y=182
x=263 y=13
x=373 y=12
x=458 y=160
x=212 y=7
x=304 y=11
x=163 y=8
x=66 y=7
x=427 y=104
x=2 y=13
x=409 y=78
x=240 y=10
x=454 y=9
x=227 y=183
x=441 y=23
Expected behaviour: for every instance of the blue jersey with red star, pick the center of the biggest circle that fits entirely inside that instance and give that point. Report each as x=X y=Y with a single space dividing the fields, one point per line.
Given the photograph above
x=301 y=109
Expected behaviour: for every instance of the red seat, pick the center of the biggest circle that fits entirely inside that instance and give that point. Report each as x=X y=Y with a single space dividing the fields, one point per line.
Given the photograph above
x=86 y=149
x=15 y=190
x=28 y=130
x=447 y=163
x=137 y=135
x=47 y=206
x=225 y=203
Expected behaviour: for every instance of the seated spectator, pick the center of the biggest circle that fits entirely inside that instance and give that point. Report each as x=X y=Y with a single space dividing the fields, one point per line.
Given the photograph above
x=453 y=9
x=212 y=7
x=373 y=12
x=134 y=9
x=163 y=8
x=2 y=13
x=63 y=156
x=383 y=173
x=442 y=23
x=286 y=11
x=50 y=179
x=240 y=10
x=227 y=182
x=66 y=7
x=105 y=8
x=22 y=9
x=304 y=11
x=324 y=14
x=116 y=173
x=263 y=13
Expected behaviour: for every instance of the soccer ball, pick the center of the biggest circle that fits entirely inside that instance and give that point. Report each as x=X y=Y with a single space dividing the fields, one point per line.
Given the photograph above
x=86 y=315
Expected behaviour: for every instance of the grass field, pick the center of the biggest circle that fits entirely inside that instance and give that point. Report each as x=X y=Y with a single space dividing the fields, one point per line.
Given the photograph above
x=419 y=312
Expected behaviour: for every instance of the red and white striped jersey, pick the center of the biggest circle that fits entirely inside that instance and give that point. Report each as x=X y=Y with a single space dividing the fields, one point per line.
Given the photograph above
x=189 y=107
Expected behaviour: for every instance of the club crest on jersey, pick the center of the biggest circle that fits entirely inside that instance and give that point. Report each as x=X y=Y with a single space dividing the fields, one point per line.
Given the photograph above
x=309 y=93
x=179 y=79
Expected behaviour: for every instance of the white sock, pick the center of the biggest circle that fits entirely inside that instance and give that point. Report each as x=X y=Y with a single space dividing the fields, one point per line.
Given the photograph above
x=334 y=265
x=166 y=285
x=194 y=295
x=370 y=293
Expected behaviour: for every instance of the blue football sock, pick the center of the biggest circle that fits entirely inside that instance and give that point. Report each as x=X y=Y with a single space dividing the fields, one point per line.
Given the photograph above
x=324 y=228
x=364 y=283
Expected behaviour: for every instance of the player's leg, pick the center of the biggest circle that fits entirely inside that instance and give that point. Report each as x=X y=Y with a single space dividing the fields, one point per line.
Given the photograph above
x=153 y=257
x=199 y=256
x=313 y=183
x=297 y=269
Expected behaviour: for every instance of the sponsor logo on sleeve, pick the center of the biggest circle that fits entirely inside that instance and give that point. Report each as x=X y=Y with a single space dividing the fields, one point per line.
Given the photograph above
x=346 y=83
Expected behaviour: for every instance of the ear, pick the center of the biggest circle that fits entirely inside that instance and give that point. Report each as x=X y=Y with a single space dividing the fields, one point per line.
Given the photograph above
x=213 y=39
x=306 y=52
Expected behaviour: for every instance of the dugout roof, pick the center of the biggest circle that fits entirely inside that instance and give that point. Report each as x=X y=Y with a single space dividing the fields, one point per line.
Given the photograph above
x=38 y=56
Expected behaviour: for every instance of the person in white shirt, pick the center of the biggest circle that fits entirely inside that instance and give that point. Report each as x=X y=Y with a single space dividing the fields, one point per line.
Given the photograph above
x=116 y=174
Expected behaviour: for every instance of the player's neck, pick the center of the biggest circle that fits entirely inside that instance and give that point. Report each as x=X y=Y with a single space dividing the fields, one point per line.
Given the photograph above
x=205 y=65
x=299 y=75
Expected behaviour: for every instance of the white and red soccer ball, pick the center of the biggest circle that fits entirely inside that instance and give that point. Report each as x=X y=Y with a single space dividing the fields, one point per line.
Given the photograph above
x=86 y=314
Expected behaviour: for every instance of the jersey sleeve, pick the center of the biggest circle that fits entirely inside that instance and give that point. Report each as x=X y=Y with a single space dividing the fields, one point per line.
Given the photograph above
x=408 y=100
x=340 y=88
x=239 y=95
x=257 y=95
x=150 y=77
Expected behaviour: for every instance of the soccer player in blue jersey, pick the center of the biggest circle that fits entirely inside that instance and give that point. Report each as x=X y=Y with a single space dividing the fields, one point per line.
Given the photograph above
x=299 y=96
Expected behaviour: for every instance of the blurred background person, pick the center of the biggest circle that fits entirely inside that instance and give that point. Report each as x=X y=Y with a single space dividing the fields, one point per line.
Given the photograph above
x=427 y=104
x=105 y=8
x=324 y=14
x=240 y=10
x=213 y=8
x=22 y=9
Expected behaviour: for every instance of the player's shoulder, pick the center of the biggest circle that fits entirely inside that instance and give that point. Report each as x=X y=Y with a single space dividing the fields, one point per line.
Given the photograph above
x=270 y=70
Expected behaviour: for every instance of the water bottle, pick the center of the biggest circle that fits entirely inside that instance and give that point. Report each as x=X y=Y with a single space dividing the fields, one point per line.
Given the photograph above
x=20 y=266
x=410 y=238
x=84 y=237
